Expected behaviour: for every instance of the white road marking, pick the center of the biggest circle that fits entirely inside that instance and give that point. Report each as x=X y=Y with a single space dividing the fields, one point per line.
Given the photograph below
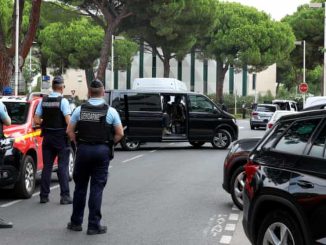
x=225 y=239
x=110 y=166
x=241 y=127
x=10 y=203
x=171 y=144
x=230 y=227
x=130 y=159
x=235 y=208
x=51 y=188
x=153 y=151
x=17 y=201
x=234 y=217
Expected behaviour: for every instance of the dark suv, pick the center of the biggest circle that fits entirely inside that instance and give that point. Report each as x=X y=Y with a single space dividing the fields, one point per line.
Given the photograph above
x=285 y=190
x=192 y=118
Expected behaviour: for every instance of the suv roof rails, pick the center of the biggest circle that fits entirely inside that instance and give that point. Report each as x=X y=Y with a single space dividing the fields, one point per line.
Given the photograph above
x=35 y=94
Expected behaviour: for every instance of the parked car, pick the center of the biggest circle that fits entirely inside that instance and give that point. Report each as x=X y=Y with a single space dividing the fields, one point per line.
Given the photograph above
x=192 y=117
x=277 y=114
x=233 y=171
x=21 y=150
x=314 y=102
x=262 y=114
x=285 y=189
x=286 y=105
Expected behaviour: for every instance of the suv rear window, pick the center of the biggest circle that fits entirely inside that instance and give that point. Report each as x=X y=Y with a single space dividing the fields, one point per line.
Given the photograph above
x=296 y=137
x=266 y=108
x=17 y=111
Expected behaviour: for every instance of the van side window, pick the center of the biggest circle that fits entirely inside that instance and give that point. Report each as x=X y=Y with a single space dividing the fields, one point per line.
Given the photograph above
x=144 y=102
x=200 y=104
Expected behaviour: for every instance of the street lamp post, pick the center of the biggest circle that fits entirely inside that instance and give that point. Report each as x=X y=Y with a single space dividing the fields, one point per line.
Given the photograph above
x=322 y=5
x=112 y=62
x=303 y=43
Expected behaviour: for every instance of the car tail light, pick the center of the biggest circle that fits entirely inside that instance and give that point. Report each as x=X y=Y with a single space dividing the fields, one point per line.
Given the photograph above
x=254 y=113
x=251 y=169
x=270 y=125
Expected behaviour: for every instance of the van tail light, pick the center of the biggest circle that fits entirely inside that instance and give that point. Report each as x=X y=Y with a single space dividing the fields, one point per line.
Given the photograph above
x=270 y=125
x=254 y=113
x=251 y=170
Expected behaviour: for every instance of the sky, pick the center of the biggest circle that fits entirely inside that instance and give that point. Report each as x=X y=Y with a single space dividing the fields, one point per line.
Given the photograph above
x=276 y=8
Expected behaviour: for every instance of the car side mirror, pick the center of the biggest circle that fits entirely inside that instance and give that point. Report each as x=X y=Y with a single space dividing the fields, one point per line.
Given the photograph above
x=215 y=111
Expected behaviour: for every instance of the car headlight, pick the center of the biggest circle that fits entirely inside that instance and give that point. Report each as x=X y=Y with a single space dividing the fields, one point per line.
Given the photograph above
x=7 y=143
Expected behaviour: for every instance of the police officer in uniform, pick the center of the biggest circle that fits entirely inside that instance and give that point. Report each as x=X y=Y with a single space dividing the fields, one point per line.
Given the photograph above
x=94 y=127
x=5 y=119
x=53 y=114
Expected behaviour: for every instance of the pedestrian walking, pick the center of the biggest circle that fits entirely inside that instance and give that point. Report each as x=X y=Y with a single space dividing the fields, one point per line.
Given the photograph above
x=94 y=127
x=5 y=119
x=53 y=114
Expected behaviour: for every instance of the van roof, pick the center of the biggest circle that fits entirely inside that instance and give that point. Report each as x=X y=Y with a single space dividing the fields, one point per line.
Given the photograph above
x=283 y=101
x=151 y=91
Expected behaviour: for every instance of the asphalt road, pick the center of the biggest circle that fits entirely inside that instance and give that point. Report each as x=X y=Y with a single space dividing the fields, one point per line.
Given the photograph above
x=162 y=194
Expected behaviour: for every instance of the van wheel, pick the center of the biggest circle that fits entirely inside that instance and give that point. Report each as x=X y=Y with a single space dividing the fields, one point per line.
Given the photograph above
x=129 y=145
x=196 y=144
x=25 y=186
x=71 y=164
x=222 y=139
x=279 y=227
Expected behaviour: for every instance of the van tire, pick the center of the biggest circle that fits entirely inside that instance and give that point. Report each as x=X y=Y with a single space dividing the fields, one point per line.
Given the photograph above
x=129 y=145
x=25 y=186
x=196 y=144
x=222 y=139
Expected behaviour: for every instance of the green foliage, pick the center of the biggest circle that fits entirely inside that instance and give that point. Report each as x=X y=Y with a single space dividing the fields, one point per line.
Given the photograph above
x=76 y=44
x=124 y=51
x=245 y=36
x=6 y=8
x=173 y=26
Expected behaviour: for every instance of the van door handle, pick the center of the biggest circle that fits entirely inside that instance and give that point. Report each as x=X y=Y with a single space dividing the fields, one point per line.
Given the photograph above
x=305 y=184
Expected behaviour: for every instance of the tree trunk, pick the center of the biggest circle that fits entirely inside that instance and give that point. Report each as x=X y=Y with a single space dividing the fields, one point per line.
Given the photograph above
x=166 y=63
x=220 y=75
x=105 y=52
x=89 y=73
x=6 y=69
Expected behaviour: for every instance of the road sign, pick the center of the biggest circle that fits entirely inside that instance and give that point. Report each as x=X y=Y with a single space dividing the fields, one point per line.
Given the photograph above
x=46 y=78
x=303 y=87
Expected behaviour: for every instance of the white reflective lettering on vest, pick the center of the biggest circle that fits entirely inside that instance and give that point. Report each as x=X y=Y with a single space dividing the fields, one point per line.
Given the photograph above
x=91 y=116
x=51 y=104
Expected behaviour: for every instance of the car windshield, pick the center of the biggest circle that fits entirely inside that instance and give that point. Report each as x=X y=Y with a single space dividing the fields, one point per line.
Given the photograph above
x=266 y=108
x=17 y=111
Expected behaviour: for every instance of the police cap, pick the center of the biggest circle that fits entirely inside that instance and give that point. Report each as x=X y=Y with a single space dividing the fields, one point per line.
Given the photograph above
x=96 y=84
x=57 y=80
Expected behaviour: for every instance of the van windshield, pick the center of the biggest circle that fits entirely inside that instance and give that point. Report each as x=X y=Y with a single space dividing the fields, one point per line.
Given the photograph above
x=17 y=111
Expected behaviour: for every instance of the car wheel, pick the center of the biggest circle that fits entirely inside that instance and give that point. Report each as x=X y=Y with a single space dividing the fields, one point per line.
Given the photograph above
x=237 y=185
x=252 y=127
x=222 y=139
x=26 y=184
x=129 y=145
x=279 y=227
x=196 y=144
x=71 y=163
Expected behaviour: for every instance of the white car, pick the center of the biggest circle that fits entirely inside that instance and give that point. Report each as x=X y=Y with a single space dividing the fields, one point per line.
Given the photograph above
x=277 y=114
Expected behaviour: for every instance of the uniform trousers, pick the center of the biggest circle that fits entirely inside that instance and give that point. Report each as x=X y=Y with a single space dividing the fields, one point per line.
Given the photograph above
x=92 y=164
x=55 y=144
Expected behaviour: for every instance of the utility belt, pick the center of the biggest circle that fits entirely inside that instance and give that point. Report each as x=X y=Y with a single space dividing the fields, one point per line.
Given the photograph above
x=110 y=144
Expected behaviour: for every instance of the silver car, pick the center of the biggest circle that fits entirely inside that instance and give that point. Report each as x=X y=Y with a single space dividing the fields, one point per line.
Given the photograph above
x=261 y=115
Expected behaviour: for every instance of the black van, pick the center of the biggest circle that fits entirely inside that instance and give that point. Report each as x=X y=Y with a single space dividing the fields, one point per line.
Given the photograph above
x=164 y=116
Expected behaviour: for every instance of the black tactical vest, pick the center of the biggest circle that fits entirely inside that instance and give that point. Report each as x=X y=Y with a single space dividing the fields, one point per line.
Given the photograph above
x=52 y=115
x=92 y=127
